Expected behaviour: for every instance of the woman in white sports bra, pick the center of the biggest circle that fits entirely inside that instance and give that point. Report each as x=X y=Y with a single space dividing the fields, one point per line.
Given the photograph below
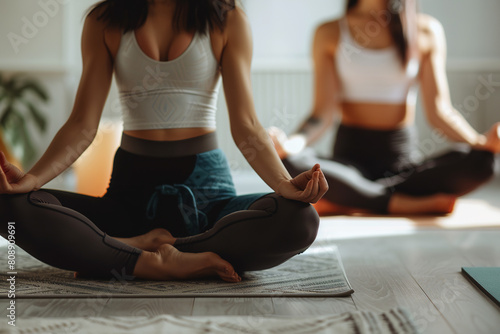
x=367 y=68
x=171 y=205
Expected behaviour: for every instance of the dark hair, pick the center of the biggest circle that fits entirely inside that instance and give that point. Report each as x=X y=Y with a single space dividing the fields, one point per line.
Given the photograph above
x=402 y=25
x=190 y=15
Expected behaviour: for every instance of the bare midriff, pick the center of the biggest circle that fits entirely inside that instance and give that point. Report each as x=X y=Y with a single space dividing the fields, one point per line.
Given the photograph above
x=169 y=134
x=377 y=116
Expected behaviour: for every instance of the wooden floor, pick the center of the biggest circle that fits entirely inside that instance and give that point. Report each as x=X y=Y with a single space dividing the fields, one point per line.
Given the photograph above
x=390 y=262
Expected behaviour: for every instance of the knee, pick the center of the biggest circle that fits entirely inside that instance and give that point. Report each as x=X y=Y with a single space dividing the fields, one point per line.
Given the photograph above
x=297 y=222
x=9 y=204
x=483 y=165
x=303 y=224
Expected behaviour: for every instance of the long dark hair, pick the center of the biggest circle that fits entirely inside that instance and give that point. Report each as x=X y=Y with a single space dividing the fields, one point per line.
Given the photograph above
x=403 y=26
x=190 y=15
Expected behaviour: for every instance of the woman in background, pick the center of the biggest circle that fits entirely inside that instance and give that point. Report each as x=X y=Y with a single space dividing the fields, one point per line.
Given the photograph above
x=171 y=202
x=367 y=66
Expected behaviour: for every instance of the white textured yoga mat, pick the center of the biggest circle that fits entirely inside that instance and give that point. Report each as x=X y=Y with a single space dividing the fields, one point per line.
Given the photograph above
x=391 y=322
x=316 y=272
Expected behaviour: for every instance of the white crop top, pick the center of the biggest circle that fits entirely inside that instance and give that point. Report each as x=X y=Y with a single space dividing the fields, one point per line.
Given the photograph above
x=373 y=75
x=181 y=93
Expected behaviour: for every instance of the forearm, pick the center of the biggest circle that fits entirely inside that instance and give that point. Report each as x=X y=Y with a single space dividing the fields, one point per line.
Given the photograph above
x=257 y=148
x=312 y=129
x=456 y=128
x=66 y=147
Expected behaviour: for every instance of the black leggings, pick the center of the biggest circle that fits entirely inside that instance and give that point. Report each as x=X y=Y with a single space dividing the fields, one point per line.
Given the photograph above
x=182 y=194
x=368 y=166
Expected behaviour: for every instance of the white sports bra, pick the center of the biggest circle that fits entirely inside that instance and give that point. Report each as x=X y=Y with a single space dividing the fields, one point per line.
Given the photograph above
x=373 y=75
x=181 y=93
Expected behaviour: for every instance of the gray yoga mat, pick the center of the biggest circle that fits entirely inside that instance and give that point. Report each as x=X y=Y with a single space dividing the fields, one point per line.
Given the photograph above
x=316 y=272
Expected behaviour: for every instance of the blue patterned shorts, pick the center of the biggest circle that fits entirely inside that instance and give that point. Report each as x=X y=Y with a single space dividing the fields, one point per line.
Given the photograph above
x=209 y=184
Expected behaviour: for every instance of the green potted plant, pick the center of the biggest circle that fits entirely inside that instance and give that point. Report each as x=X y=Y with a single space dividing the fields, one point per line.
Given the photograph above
x=19 y=100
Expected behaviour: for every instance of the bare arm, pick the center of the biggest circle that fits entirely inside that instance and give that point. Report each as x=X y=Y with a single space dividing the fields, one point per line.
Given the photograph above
x=435 y=92
x=325 y=84
x=248 y=134
x=325 y=98
x=80 y=129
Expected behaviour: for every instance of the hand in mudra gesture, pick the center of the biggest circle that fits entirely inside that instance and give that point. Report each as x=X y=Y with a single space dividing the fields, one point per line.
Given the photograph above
x=307 y=187
x=13 y=180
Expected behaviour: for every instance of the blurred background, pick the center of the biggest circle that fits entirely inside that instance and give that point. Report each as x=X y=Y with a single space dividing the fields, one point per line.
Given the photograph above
x=40 y=39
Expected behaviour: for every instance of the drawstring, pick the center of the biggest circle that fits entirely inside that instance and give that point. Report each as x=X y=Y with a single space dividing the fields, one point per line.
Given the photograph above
x=184 y=194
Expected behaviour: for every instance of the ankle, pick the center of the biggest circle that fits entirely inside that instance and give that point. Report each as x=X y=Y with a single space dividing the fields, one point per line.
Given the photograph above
x=149 y=266
x=433 y=204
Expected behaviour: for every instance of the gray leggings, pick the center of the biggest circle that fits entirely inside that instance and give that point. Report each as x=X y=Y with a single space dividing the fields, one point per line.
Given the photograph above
x=69 y=231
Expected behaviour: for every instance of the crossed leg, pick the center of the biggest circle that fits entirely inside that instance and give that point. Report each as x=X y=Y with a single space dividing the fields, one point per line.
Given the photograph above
x=66 y=239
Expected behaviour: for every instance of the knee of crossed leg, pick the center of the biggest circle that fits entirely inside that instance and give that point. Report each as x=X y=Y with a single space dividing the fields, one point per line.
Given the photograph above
x=8 y=205
x=484 y=167
x=301 y=224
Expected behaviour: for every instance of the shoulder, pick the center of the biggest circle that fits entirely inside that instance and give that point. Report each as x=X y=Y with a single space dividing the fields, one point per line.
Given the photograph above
x=100 y=31
x=326 y=36
x=237 y=25
x=92 y=21
x=236 y=19
x=431 y=35
x=328 y=30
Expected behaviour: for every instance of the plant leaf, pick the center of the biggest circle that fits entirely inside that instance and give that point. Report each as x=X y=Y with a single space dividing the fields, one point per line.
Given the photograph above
x=29 y=152
x=34 y=87
x=37 y=116
x=14 y=127
x=6 y=115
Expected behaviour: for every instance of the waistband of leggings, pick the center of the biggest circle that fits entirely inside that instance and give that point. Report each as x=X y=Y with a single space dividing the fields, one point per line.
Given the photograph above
x=353 y=141
x=370 y=137
x=169 y=149
x=408 y=131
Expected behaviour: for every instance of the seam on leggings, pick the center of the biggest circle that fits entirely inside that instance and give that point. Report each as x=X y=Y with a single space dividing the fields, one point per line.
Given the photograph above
x=46 y=206
x=228 y=225
x=123 y=250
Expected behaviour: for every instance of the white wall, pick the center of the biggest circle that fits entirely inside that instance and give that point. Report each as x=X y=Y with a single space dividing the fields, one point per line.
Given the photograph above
x=284 y=28
x=472 y=27
x=31 y=32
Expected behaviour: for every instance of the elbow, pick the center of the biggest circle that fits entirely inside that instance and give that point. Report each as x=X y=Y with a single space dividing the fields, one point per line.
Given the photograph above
x=328 y=118
x=242 y=130
x=82 y=128
x=440 y=110
x=434 y=118
x=326 y=114
x=438 y=113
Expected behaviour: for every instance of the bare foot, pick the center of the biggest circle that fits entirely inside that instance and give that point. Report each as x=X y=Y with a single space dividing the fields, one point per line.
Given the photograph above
x=150 y=241
x=167 y=263
x=326 y=208
x=434 y=204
